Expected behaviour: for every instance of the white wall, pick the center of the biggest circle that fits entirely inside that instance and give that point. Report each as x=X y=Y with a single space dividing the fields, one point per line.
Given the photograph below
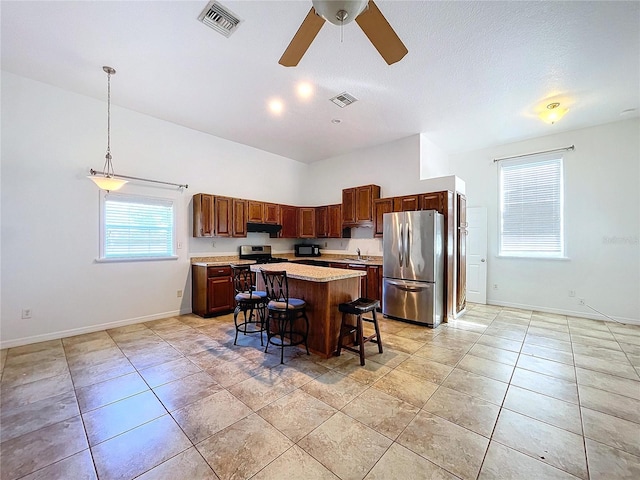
x=50 y=139
x=434 y=162
x=601 y=202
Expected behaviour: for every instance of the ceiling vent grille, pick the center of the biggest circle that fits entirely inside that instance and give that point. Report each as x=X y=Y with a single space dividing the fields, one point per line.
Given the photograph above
x=221 y=19
x=343 y=99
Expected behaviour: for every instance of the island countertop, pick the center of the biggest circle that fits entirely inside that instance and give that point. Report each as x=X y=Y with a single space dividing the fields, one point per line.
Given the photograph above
x=310 y=273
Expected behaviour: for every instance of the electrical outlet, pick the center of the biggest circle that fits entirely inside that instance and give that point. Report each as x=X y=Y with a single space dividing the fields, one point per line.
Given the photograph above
x=179 y=245
x=325 y=244
x=213 y=244
x=572 y=293
x=179 y=294
x=581 y=301
x=26 y=313
x=495 y=286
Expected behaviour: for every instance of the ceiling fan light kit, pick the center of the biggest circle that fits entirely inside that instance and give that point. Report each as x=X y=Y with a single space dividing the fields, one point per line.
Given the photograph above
x=339 y=12
x=366 y=14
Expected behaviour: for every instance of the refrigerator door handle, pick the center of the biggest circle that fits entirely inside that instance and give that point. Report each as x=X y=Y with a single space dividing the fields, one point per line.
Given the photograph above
x=407 y=287
x=407 y=252
x=400 y=245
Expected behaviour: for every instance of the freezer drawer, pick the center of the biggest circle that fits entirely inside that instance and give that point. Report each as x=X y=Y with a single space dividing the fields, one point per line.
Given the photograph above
x=416 y=301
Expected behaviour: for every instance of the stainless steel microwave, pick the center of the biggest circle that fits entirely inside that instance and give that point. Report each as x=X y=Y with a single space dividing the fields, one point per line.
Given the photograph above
x=307 y=250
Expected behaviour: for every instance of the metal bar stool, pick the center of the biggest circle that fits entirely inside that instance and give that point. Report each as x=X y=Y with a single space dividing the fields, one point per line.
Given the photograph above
x=358 y=308
x=248 y=299
x=284 y=311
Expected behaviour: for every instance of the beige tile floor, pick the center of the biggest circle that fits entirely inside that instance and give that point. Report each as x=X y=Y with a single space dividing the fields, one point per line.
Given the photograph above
x=500 y=393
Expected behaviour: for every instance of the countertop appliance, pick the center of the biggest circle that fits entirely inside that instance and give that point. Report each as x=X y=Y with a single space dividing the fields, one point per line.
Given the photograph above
x=259 y=253
x=303 y=250
x=413 y=266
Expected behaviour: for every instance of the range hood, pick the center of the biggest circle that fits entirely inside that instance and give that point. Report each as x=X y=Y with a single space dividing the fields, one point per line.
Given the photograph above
x=269 y=228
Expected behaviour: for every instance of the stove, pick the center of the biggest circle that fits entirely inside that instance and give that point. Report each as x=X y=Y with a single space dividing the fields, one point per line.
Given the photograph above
x=259 y=253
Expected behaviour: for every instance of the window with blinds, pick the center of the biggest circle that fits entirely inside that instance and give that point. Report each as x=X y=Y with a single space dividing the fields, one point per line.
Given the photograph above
x=531 y=207
x=135 y=227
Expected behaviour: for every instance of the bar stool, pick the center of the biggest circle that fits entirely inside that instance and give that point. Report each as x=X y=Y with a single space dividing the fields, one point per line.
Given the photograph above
x=248 y=299
x=358 y=308
x=284 y=311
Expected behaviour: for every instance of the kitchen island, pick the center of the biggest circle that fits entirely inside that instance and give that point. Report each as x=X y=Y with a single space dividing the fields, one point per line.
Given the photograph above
x=323 y=289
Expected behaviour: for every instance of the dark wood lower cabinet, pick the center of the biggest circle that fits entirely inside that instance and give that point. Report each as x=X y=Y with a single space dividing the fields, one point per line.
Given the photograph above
x=212 y=290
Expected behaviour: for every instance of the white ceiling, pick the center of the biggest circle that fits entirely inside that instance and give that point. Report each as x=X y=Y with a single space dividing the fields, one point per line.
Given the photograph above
x=474 y=76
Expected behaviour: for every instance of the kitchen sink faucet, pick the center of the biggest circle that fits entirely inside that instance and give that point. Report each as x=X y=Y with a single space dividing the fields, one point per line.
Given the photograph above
x=358 y=252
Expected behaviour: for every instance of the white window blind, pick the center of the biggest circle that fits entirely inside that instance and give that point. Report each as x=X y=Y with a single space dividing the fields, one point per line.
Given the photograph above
x=135 y=227
x=531 y=207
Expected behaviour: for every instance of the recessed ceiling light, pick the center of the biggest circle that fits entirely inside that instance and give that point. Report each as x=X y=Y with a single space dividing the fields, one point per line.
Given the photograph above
x=336 y=121
x=305 y=90
x=276 y=106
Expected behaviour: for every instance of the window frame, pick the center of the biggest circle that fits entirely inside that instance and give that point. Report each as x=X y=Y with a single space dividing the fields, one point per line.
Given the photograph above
x=533 y=254
x=136 y=199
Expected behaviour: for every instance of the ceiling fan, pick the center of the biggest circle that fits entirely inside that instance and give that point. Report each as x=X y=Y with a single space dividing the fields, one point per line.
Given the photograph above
x=366 y=14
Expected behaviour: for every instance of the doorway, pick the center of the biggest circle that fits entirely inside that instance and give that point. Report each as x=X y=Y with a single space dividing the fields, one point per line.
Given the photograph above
x=477 y=255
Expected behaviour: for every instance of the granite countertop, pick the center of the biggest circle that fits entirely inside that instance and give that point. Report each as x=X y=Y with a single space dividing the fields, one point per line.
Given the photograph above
x=310 y=273
x=333 y=258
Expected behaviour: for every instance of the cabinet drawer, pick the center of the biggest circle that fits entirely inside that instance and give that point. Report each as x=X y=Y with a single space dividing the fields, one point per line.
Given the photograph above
x=218 y=272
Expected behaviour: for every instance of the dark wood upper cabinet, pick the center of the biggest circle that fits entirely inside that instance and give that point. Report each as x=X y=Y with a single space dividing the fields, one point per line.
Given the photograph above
x=322 y=222
x=357 y=205
x=239 y=218
x=349 y=206
x=407 y=203
x=255 y=211
x=307 y=222
x=289 y=221
x=380 y=207
x=272 y=213
x=434 y=201
x=203 y=215
x=223 y=216
x=334 y=213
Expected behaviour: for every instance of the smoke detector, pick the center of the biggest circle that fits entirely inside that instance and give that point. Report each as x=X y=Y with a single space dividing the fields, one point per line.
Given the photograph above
x=343 y=99
x=219 y=18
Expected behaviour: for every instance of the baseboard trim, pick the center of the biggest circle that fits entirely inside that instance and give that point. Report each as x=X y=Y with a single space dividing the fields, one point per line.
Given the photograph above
x=88 y=329
x=560 y=311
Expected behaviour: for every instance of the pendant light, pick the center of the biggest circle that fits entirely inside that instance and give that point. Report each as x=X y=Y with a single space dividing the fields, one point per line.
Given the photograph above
x=107 y=180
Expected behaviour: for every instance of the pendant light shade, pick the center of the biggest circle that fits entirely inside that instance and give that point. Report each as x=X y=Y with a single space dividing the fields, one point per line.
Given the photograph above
x=106 y=180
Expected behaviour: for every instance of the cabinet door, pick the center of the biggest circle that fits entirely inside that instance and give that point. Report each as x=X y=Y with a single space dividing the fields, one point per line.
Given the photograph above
x=219 y=294
x=223 y=216
x=349 y=206
x=203 y=215
x=461 y=269
x=407 y=203
x=365 y=196
x=255 y=211
x=271 y=213
x=433 y=201
x=289 y=221
x=307 y=222
x=334 y=221
x=239 y=218
x=363 y=279
x=380 y=207
x=373 y=282
x=322 y=222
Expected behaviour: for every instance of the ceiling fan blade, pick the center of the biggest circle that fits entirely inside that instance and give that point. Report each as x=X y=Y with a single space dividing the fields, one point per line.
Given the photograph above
x=302 y=39
x=381 y=35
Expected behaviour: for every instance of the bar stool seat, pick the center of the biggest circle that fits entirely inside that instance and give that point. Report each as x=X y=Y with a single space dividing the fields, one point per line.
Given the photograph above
x=358 y=308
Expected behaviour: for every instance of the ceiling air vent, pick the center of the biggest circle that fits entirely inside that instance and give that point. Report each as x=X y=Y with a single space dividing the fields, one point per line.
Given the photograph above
x=221 y=19
x=343 y=99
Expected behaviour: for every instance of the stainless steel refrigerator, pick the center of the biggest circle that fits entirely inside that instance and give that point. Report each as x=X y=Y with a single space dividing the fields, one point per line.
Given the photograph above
x=413 y=266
